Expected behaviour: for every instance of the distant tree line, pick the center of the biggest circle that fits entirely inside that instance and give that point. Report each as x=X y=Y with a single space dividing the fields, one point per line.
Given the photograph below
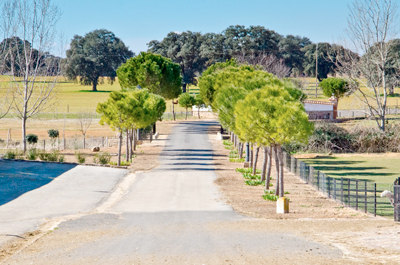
x=281 y=55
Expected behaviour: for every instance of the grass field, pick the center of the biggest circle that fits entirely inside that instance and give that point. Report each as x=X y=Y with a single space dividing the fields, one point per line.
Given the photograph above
x=381 y=169
x=346 y=103
x=71 y=98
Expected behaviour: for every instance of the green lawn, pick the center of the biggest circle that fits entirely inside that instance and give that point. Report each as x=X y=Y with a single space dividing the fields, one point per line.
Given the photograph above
x=381 y=169
x=375 y=168
x=71 y=98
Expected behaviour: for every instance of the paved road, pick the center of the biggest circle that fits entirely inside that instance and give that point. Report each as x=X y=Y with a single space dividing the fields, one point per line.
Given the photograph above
x=173 y=215
x=67 y=190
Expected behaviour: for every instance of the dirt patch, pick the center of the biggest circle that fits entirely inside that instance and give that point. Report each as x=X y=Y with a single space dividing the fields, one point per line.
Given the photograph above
x=361 y=237
x=305 y=201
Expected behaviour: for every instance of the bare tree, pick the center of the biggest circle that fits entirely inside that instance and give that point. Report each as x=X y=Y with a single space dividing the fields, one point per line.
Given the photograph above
x=268 y=62
x=85 y=120
x=29 y=26
x=371 y=27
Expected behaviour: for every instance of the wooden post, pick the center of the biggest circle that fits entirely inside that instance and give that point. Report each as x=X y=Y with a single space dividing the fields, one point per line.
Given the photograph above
x=374 y=199
x=318 y=179
x=365 y=197
x=44 y=145
x=356 y=194
x=348 y=192
x=334 y=186
x=8 y=138
x=341 y=190
x=329 y=187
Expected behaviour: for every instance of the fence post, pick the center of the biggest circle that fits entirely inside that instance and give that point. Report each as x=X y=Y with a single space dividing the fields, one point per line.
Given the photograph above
x=311 y=174
x=396 y=190
x=334 y=187
x=44 y=145
x=318 y=179
x=356 y=194
x=341 y=190
x=292 y=161
x=329 y=187
x=348 y=192
x=374 y=199
x=366 y=197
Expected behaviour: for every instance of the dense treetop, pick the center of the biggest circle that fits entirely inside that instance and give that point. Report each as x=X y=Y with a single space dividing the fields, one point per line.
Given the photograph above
x=98 y=53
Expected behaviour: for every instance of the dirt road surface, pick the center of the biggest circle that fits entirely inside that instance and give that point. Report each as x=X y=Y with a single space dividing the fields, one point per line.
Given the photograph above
x=176 y=214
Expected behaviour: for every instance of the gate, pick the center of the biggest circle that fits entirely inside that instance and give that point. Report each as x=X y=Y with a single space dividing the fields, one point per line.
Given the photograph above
x=396 y=203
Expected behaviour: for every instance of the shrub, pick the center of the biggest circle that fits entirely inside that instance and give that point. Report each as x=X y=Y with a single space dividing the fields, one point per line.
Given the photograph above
x=123 y=163
x=32 y=138
x=102 y=158
x=51 y=157
x=10 y=154
x=270 y=195
x=32 y=154
x=53 y=133
x=80 y=157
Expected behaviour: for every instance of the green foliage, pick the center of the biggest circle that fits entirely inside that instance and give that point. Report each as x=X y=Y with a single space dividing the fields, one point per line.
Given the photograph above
x=99 y=53
x=199 y=102
x=270 y=195
x=103 y=158
x=227 y=143
x=152 y=71
x=32 y=154
x=10 y=154
x=123 y=163
x=186 y=100
x=244 y=76
x=53 y=133
x=80 y=157
x=133 y=109
x=32 y=138
x=271 y=116
x=184 y=49
x=246 y=170
x=53 y=156
x=334 y=86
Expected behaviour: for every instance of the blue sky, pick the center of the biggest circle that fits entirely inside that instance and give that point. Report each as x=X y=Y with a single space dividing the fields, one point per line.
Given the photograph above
x=137 y=22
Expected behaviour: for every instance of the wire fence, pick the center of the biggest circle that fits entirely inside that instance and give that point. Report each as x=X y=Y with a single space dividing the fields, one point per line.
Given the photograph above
x=359 y=194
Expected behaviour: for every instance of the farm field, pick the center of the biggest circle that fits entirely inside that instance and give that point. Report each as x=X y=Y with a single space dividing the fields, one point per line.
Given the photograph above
x=379 y=168
x=71 y=98
x=346 y=103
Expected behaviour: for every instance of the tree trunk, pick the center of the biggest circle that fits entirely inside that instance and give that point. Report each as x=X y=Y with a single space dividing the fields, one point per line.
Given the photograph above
x=184 y=88
x=264 y=167
x=173 y=110
x=277 y=171
x=154 y=128
x=134 y=139
x=241 y=150
x=119 y=147
x=131 y=144
x=255 y=163
x=251 y=155
x=24 y=134
x=269 y=165
x=198 y=111
x=186 y=114
x=281 y=173
x=127 y=145
x=84 y=141
x=94 y=83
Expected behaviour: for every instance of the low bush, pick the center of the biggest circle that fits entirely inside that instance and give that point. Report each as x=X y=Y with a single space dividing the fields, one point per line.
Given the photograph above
x=270 y=195
x=80 y=157
x=123 y=163
x=329 y=137
x=102 y=158
x=10 y=154
x=32 y=154
x=53 y=156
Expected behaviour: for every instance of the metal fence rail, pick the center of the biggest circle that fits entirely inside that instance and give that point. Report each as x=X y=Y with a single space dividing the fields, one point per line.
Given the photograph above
x=359 y=194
